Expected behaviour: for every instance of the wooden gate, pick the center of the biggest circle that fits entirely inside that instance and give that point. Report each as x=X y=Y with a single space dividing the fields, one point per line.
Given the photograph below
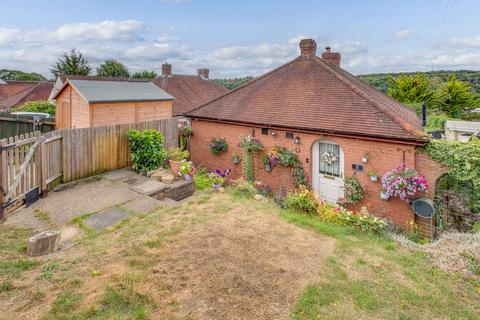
x=28 y=164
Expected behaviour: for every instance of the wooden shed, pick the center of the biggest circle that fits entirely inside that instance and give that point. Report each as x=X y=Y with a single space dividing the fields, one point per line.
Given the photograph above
x=90 y=103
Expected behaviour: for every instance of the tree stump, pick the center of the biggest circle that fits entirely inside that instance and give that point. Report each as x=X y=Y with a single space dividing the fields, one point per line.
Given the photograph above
x=43 y=243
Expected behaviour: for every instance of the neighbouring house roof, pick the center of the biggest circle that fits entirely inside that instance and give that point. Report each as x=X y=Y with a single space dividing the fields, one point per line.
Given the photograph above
x=118 y=91
x=189 y=91
x=463 y=126
x=312 y=93
x=15 y=93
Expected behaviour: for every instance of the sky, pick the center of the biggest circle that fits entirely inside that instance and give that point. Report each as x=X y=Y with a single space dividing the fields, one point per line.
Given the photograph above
x=240 y=38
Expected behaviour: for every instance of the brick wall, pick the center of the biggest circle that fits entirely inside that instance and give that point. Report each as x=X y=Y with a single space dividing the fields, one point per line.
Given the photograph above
x=383 y=156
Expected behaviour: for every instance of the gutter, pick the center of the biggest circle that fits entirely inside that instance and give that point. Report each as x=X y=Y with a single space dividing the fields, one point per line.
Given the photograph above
x=415 y=142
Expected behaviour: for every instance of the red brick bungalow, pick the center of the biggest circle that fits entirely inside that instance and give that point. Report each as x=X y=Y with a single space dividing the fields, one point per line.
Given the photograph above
x=311 y=105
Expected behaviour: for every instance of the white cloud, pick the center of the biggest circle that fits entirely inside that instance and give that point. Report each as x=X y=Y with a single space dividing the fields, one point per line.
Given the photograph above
x=105 y=30
x=472 y=42
x=403 y=34
x=141 y=47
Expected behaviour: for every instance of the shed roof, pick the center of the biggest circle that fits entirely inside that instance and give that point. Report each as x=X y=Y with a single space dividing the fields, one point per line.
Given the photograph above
x=119 y=91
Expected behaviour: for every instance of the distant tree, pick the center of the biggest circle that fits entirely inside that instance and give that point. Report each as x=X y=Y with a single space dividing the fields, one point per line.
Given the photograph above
x=6 y=74
x=233 y=83
x=71 y=63
x=410 y=89
x=145 y=74
x=112 y=68
x=38 y=106
x=454 y=96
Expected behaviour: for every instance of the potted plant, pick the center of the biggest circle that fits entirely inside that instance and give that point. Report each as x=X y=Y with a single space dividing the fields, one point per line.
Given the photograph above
x=217 y=177
x=384 y=194
x=373 y=176
x=175 y=158
x=250 y=144
x=236 y=158
x=404 y=183
x=218 y=145
x=266 y=162
x=285 y=157
x=186 y=170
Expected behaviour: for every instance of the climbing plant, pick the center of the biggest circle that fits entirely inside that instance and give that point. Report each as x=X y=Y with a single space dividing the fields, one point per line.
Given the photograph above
x=250 y=145
x=462 y=160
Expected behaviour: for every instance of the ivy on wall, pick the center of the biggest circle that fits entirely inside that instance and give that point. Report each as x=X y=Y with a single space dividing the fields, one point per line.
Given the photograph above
x=462 y=160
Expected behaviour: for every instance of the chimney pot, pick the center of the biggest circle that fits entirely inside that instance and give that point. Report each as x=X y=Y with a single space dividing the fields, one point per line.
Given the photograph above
x=166 y=69
x=203 y=73
x=308 y=48
x=332 y=57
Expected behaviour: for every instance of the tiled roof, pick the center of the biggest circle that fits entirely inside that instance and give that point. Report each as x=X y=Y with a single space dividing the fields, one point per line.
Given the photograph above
x=310 y=93
x=21 y=92
x=189 y=91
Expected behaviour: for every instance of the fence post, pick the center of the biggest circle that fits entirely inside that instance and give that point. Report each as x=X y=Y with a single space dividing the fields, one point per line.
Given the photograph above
x=3 y=172
x=44 y=169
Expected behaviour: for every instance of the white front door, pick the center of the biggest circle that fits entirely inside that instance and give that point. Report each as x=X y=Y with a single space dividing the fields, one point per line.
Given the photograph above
x=327 y=171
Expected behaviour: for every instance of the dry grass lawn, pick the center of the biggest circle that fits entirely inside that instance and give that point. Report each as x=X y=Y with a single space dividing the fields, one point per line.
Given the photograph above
x=220 y=256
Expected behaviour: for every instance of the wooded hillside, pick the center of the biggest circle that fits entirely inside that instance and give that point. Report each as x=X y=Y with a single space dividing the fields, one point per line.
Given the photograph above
x=379 y=80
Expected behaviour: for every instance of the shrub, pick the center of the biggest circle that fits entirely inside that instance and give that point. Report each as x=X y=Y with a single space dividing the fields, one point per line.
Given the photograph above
x=218 y=145
x=245 y=188
x=353 y=190
x=38 y=106
x=201 y=179
x=280 y=196
x=177 y=154
x=302 y=200
x=146 y=149
x=362 y=220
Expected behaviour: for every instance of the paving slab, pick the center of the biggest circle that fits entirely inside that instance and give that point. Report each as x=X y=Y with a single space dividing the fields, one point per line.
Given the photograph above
x=142 y=204
x=149 y=187
x=118 y=175
x=105 y=219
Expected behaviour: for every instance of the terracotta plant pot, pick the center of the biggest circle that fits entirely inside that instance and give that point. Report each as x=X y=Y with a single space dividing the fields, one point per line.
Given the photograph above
x=175 y=166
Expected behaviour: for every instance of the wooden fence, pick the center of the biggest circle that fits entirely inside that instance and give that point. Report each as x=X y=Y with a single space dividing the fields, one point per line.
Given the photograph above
x=14 y=125
x=30 y=163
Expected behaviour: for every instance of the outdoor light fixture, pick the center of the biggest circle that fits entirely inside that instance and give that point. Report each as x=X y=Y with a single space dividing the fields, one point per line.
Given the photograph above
x=297 y=140
x=274 y=133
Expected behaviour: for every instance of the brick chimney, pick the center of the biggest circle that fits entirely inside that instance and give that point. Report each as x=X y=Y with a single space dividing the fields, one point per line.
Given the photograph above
x=332 y=57
x=308 y=48
x=203 y=73
x=166 y=69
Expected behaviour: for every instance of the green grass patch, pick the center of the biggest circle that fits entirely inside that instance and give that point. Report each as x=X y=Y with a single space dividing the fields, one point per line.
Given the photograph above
x=64 y=304
x=14 y=268
x=369 y=276
x=48 y=271
x=13 y=240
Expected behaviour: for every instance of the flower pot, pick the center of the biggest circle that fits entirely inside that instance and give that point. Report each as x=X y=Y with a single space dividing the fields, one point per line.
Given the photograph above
x=364 y=159
x=216 y=185
x=268 y=167
x=236 y=160
x=384 y=195
x=187 y=177
x=175 y=166
x=373 y=178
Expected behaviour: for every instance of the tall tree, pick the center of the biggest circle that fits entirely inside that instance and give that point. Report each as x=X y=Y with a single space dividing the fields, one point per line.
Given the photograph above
x=71 y=63
x=410 y=89
x=455 y=96
x=112 y=68
x=145 y=74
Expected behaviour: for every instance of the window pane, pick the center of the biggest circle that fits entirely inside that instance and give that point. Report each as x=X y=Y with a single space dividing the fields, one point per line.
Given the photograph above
x=329 y=156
